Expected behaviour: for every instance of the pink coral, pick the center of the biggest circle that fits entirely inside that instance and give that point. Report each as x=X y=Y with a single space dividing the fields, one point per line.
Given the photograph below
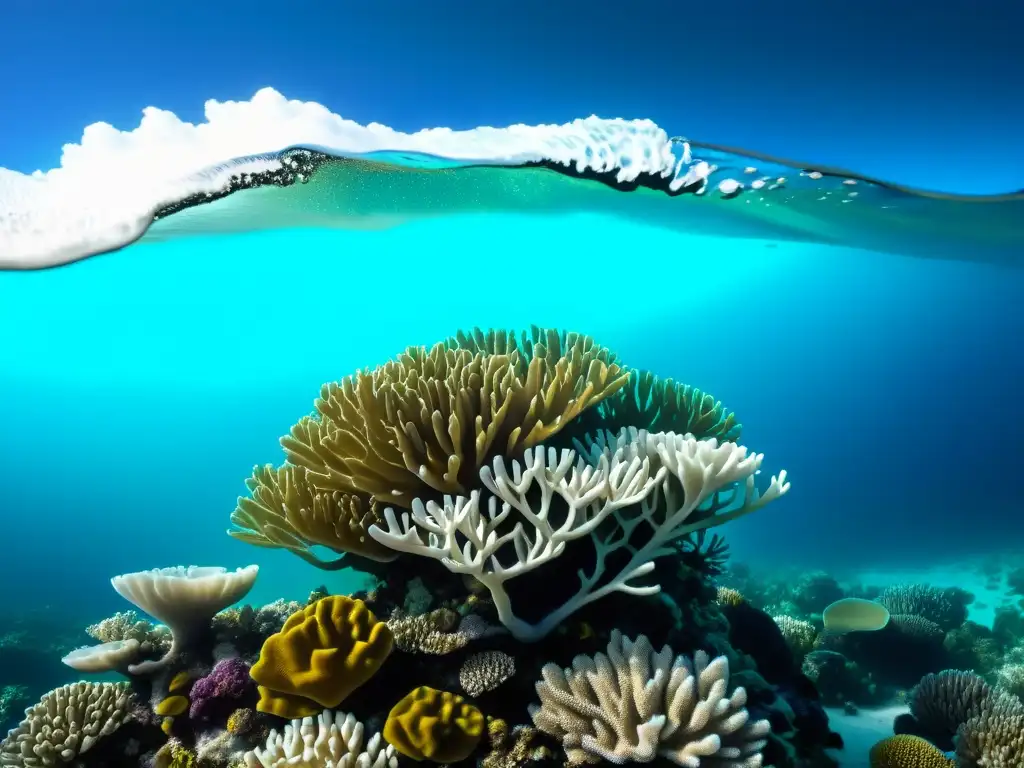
x=221 y=690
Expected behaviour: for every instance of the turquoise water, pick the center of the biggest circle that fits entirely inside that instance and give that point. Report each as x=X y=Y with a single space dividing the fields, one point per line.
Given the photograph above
x=867 y=344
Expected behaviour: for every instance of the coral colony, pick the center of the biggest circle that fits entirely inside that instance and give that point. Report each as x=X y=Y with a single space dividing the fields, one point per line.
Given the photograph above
x=536 y=519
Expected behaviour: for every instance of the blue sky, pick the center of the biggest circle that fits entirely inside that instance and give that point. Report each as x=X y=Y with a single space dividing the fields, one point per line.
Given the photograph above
x=918 y=93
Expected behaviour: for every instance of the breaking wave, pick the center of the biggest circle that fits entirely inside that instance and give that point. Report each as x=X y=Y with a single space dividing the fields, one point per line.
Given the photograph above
x=270 y=163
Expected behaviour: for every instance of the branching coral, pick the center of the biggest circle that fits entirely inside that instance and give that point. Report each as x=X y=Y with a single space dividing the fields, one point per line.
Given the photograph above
x=635 y=705
x=637 y=485
x=994 y=737
x=926 y=601
x=285 y=511
x=798 y=634
x=424 y=423
x=65 y=723
x=128 y=625
x=332 y=740
x=942 y=702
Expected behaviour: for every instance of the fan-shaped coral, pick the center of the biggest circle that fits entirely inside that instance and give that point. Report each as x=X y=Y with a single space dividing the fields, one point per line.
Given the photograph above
x=322 y=654
x=439 y=726
x=635 y=705
x=907 y=752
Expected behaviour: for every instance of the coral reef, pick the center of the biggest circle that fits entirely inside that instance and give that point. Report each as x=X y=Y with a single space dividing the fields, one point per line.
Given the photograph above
x=527 y=513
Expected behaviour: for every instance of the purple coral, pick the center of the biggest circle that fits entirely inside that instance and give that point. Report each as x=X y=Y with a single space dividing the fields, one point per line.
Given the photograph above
x=221 y=690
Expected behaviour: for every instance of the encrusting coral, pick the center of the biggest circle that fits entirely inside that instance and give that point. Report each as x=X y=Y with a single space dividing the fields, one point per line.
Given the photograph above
x=635 y=705
x=439 y=726
x=66 y=722
x=322 y=654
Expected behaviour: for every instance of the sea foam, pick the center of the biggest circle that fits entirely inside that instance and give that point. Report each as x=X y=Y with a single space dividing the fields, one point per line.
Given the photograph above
x=110 y=186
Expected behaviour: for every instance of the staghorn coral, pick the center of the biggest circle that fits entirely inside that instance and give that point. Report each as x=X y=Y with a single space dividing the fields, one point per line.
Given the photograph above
x=942 y=702
x=332 y=740
x=322 y=654
x=433 y=725
x=636 y=705
x=904 y=751
x=635 y=485
x=424 y=423
x=485 y=671
x=285 y=510
x=994 y=737
x=798 y=634
x=65 y=723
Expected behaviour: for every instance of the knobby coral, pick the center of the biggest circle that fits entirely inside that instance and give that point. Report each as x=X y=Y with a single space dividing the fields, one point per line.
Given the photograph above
x=659 y=486
x=635 y=705
x=904 y=751
x=65 y=723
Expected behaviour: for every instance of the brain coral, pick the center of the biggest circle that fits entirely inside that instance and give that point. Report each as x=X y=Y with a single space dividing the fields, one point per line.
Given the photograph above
x=907 y=752
x=434 y=725
x=322 y=653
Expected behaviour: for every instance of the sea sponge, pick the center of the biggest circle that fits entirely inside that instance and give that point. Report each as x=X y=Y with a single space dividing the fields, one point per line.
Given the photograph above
x=636 y=705
x=66 y=723
x=905 y=751
x=322 y=653
x=433 y=725
x=424 y=423
x=284 y=510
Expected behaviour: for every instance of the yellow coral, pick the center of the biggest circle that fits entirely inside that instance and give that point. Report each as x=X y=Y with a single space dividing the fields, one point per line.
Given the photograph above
x=322 y=653
x=906 y=751
x=434 y=725
x=171 y=706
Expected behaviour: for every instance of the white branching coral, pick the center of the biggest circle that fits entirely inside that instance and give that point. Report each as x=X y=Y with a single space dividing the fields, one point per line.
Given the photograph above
x=657 y=487
x=65 y=723
x=636 y=705
x=331 y=740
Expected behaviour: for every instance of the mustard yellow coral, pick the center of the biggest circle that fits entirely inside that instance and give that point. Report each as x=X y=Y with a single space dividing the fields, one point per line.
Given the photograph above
x=906 y=751
x=322 y=653
x=172 y=705
x=434 y=725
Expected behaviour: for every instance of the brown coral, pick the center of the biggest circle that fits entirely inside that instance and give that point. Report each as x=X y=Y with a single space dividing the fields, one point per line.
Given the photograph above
x=424 y=423
x=284 y=510
x=322 y=654
x=994 y=738
x=906 y=751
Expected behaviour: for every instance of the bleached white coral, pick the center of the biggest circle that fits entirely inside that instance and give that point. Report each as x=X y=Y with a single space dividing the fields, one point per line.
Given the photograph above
x=636 y=705
x=659 y=484
x=65 y=723
x=332 y=740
